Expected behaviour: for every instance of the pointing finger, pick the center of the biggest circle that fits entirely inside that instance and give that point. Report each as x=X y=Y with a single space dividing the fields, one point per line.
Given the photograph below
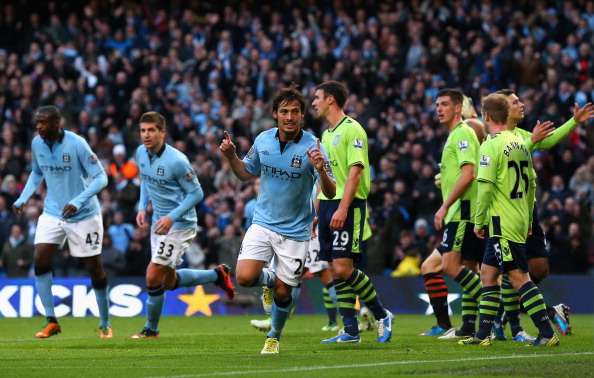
x=227 y=136
x=318 y=143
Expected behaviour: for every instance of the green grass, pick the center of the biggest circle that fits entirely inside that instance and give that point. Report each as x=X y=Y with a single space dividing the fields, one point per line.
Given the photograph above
x=227 y=345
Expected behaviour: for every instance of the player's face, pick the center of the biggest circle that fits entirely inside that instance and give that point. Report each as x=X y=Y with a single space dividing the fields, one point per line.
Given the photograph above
x=48 y=128
x=446 y=109
x=289 y=117
x=151 y=136
x=516 y=113
x=320 y=103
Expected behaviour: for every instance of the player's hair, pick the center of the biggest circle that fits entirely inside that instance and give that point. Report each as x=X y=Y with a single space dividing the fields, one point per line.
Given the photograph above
x=154 y=117
x=288 y=95
x=51 y=111
x=335 y=89
x=455 y=94
x=506 y=92
x=468 y=111
x=497 y=107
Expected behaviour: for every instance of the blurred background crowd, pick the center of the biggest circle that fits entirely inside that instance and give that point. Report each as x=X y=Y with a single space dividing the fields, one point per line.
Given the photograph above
x=210 y=66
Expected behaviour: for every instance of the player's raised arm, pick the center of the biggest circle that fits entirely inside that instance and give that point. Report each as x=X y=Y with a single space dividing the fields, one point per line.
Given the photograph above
x=317 y=160
x=228 y=150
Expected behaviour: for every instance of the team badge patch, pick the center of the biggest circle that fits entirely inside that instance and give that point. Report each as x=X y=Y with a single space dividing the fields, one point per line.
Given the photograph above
x=485 y=161
x=336 y=141
x=92 y=159
x=66 y=158
x=296 y=161
x=161 y=170
x=463 y=145
x=358 y=144
x=189 y=176
x=250 y=153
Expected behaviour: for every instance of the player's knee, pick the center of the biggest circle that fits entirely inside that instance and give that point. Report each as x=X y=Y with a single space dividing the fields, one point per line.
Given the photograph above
x=451 y=270
x=245 y=280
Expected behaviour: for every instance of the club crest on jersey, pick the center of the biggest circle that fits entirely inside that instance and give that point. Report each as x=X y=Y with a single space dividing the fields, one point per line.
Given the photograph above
x=92 y=159
x=336 y=141
x=358 y=144
x=66 y=158
x=296 y=161
x=189 y=176
x=485 y=161
x=463 y=145
x=160 y=171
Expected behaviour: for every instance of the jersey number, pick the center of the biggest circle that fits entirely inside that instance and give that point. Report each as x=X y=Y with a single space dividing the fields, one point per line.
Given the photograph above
x=89 y=239
x=341 y=238
x=162 y=249
x=520 y=172
x=299 y=269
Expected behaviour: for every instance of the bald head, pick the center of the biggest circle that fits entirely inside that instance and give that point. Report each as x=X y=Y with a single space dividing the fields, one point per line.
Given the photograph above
x=478 y=128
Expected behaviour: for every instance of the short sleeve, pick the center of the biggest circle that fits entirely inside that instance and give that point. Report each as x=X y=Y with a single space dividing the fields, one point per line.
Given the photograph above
x=466 y=146
x=356 y=147
x=252 y=159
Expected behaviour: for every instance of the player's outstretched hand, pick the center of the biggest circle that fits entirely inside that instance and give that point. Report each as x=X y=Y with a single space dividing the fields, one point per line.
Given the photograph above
x=141 y=219
x=437 y=178
x=68 y=211
x=480 y=233
x=227 y=147
x=316 y=158
x=17 y=210
x=583 y=114
x=163 y=225
x=542 y=131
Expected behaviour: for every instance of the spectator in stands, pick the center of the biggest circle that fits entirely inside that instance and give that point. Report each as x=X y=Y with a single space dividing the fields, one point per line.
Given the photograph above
x=16 y=256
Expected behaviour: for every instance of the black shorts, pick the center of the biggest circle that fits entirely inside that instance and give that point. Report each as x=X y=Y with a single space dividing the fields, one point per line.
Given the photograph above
x=345 y=243
x=505 y=255
x=536 y=243
x=460 y=237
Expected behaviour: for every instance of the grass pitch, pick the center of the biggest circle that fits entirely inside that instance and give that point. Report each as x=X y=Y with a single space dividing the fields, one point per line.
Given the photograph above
x=227 y=346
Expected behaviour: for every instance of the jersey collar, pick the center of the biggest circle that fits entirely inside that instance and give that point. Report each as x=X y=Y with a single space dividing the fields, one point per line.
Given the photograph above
x=159 y=153
x=297 y=138
x=59 y=140
x=339 y=123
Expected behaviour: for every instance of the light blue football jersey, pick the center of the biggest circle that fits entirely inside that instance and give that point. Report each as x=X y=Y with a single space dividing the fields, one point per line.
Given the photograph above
x=287 y=178
x=168 y=177
x=68 y=165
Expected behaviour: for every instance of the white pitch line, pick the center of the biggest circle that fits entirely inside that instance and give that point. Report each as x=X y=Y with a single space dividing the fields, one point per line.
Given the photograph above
x=309 y=368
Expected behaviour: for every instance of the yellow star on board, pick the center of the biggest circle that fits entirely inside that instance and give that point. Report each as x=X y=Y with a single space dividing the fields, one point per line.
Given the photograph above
x=198 y=302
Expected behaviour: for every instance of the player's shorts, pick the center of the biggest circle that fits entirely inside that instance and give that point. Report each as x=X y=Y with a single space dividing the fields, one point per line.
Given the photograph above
x=169 y=249
x=345 y=243
x=263 y=244
x=536 y=243
x=505 y=255
x=313 y=261
x=460 y=237
x=85 y=238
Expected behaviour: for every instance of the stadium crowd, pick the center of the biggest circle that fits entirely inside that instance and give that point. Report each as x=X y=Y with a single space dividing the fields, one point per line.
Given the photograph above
x=213 y=66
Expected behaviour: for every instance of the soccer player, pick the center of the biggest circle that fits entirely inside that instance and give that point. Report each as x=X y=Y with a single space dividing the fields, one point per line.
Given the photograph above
x=461 y=250
x=73 y=177
x=505 y=201
x=170 y=184
x=342 y=218
x=536 y=251
x=288 y=160
x=431 y=268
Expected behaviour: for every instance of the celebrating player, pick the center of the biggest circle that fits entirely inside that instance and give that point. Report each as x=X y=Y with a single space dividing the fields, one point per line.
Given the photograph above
x=288 y=160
